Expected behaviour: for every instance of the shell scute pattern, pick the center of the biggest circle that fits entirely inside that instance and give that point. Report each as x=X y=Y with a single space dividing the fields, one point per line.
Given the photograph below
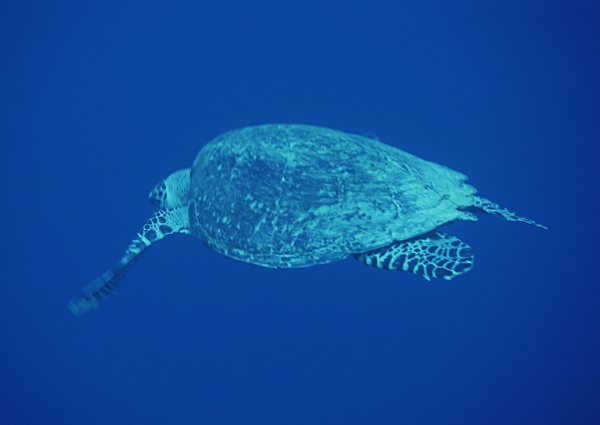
x=269 y=194
x=297 y=195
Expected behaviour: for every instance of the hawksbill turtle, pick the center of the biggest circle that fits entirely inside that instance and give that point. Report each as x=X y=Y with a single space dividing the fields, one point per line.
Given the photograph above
x=298 y=195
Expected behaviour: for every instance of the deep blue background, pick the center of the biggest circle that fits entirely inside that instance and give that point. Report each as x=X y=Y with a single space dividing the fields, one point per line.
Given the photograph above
x=99 y=100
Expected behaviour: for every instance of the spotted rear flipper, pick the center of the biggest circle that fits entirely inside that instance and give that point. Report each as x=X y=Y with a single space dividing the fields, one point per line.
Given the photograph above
x=485 y=205
x=433 y=255
x=161 y=224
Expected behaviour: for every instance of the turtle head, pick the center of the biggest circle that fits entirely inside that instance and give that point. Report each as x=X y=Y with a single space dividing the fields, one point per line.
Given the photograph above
x=171 y=192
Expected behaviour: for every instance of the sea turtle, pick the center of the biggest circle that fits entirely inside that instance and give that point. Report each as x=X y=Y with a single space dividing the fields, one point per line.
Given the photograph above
x=298 y=195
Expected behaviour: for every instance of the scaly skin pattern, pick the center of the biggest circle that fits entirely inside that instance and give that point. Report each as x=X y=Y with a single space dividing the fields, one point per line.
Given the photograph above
x=434 y=255
x=161 y=224
x=298 y=195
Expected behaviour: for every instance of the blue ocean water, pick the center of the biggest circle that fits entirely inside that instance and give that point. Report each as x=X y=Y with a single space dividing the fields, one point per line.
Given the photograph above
x=102 y=99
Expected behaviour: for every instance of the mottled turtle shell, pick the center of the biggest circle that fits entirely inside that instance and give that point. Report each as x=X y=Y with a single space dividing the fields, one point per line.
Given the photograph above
x=298 y=195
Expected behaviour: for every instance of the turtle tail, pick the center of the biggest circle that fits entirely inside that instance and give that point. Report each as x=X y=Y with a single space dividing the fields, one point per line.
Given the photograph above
x=161 y=224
